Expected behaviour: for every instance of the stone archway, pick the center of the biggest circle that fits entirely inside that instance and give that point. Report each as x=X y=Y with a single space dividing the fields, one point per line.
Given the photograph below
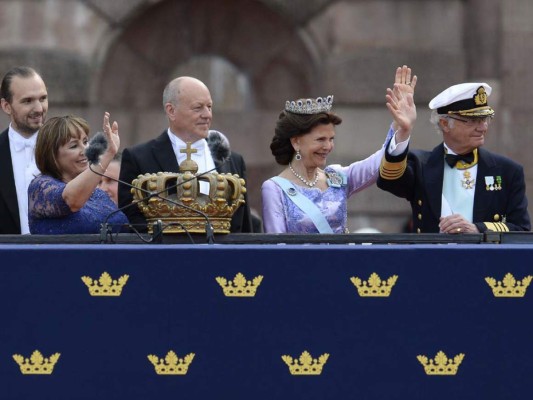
x=259 y=42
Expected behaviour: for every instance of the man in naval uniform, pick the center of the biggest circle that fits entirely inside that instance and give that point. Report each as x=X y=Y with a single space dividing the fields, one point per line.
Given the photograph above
x=188 y=106
x=458 y=187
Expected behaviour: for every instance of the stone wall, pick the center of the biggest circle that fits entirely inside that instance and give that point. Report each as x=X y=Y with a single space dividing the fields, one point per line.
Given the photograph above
x=118 y=55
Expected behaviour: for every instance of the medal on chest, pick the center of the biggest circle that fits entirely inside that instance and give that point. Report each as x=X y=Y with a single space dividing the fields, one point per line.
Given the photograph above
x=491 y=185
x=467 y=182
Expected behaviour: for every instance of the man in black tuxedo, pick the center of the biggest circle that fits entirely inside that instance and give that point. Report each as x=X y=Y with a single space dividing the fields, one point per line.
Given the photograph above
x=458 y=187
x=188 y=106
x=24 y=98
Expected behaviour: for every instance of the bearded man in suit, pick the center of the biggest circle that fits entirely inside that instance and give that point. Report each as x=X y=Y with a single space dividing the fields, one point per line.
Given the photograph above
x=24 y=98
x=458 y=187
x=188 y=106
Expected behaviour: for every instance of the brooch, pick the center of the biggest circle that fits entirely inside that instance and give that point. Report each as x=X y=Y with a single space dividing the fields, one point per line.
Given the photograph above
x=335 y=179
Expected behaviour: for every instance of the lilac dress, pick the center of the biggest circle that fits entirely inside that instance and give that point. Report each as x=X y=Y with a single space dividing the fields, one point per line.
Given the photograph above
x=281 y=215
x=48 y=213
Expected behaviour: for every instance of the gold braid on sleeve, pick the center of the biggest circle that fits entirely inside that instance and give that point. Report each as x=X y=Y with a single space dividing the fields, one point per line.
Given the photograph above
x=496 y=226
x=392 y=170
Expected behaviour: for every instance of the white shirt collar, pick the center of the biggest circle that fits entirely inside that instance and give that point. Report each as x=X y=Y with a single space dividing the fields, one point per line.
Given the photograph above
x=19 y=141
x=448 y=150
x=180 y=144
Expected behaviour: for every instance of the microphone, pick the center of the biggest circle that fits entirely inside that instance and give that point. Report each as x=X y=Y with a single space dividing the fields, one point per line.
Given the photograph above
x=98 y=145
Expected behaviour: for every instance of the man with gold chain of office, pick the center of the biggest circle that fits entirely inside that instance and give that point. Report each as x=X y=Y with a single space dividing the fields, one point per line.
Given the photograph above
x=458 y=187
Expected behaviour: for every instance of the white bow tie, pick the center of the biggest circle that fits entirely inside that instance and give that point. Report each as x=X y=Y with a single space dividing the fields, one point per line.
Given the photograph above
x=21 y=143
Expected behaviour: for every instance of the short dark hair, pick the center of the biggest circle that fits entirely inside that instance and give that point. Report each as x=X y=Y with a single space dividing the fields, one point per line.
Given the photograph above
x=290 y=125
x=5 y=88
x=54 y=133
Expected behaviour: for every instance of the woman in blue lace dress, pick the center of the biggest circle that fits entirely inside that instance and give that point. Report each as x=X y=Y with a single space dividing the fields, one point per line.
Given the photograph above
x=65 y=198
x=308 y=196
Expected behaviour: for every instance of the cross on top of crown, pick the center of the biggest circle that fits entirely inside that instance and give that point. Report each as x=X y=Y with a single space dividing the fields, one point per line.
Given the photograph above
x=188 y=150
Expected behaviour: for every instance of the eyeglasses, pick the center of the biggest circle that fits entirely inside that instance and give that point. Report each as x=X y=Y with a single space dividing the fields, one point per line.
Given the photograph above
x=474 y=121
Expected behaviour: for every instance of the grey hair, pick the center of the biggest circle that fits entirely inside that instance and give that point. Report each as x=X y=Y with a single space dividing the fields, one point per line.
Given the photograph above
x=435 y=119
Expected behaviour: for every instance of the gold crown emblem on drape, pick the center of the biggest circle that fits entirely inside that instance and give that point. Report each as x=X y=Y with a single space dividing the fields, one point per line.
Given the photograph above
x=239 y=287
x=509 y=286
x=171 y=364
x=105 y=285
x=374 y=287
x=226 y=195
x=306 y=365
x=36 y=364
x=441 y=365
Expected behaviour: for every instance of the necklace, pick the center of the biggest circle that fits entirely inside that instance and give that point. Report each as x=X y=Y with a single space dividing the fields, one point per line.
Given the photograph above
x=300 y=177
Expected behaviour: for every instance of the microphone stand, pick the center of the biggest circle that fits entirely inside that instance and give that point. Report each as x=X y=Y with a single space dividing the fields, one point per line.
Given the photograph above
x=106 y=229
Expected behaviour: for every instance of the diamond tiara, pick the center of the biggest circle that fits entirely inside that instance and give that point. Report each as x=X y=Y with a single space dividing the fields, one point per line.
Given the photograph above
x=310 y=106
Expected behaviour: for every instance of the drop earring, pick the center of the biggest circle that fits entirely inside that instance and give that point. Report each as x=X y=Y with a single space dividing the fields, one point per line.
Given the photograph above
x=298 y=156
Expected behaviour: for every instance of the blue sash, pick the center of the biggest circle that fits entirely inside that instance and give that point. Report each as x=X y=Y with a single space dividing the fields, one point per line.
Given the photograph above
x=303 y=203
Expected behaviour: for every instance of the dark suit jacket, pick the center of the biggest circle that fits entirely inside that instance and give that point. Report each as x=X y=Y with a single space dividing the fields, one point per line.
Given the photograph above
x=9 y=209
x=157 y=155
x=421 y=184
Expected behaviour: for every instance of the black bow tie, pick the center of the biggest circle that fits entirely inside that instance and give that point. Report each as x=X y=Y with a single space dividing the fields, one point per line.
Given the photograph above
x=452 y=159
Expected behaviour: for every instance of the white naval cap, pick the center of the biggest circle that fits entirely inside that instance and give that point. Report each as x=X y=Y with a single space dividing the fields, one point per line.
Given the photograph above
x=467 y=99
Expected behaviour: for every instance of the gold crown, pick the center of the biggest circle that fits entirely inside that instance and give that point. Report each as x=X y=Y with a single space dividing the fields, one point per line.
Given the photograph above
x=306 y=365
x=441 y=365
x=36 y=364
x=375 y=287
x=105 y=286
x=509 y=286
x=239 y=287
x=171 y=364
x=226 y=195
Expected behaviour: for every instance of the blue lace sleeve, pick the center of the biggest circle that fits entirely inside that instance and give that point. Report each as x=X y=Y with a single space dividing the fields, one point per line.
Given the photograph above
x=45 y=198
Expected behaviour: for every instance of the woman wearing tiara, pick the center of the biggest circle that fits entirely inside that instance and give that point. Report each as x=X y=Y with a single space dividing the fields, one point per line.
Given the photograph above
x=308 y=196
